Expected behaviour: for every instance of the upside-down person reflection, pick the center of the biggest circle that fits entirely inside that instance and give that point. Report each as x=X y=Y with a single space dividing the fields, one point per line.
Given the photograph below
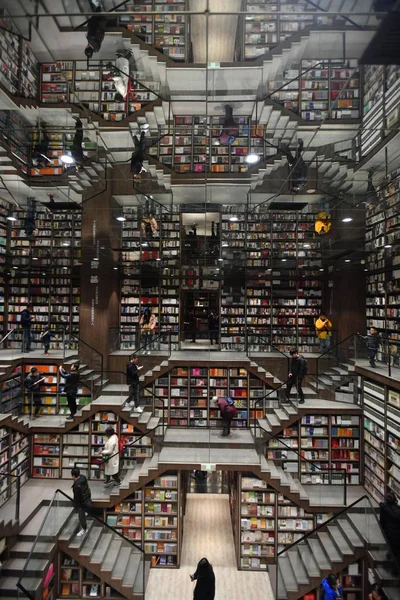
x=299 y=169
x=230 y=129
x=137 y=158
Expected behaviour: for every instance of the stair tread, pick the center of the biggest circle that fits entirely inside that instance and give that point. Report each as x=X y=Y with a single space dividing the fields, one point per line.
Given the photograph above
x=153 y=422
x=145 y=417
x=281 y=593
x=112 y=554
x=264 y=424
x=26 y=547
x=131 y=569
x=319 y=555
x=122 y=561
x=350 y=533
x=288 y=576
x=340 y=539
x=329 y=546
x=18 y=564
x=91 y=540
x=30 y=583
x=298 y=566
x=281 y=414
x=273 y=420
x=308 y=559
x=102 y=548
x=392 y=592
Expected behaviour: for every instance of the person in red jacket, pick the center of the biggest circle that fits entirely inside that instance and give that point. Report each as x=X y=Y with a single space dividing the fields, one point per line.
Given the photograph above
x=228 y=412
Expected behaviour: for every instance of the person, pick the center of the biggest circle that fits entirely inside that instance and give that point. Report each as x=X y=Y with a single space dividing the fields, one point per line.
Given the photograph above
x=149 y=227
x=298 y=370
x=45 y=338
x=230 y=129
x=26 y=322
x=132 y=379
x=323 y=328
x=228 y=412
x=323 y=223
x=110 y=455
x=30 y=218
x=71 y=388
x=40 y=152
x=331 y=588
x=377 y=593
x=76 y=148
x=32 y=382
x=205 y=581
x=147 y=327
x=122 y=81
x=192 y=325
x=96 y=28
x=299 y=169
x=213 y=326
x=389 y=517
x=137 y=157
x=82 y=498
x=372 y=341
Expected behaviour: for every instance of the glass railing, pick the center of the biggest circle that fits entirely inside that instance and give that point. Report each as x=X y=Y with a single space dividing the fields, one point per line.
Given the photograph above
x=23 y=343
x=10 y=496
x=357 y=524
x=61 y=523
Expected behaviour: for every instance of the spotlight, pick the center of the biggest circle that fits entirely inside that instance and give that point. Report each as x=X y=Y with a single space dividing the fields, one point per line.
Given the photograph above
x=158 y=258
x=252 y=159
x=284 y=259
x=67 y=159
x=347 y=220
x=220 y=259
x=307 y=246
x=321 y=269
x=225 y=245
x=65 y=244
x=115 y=268
x=35 y=258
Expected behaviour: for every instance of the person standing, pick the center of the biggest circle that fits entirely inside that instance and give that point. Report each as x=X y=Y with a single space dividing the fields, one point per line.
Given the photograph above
x=32 y=382
x=147 y=327
x=213 y=326
x=111 y=457
x=132 y=379
x=205 y=581
x=82 y=498
x=96 y=28
x=298 y=370
x=228 y=412
x=45 y=338
x=122 y=81
x=372 y=341
x=26 y=322
x=192 y=326
x=30 y=218
x=71 y=388
x=299 y=169
x=323 y=328
x=76 y=148
x=331 y=588
x=389 y=518
x=137 y=157
x=230 y=129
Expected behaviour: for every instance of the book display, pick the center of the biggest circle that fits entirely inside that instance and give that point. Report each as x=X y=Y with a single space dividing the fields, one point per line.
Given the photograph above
x=326 y=443
x=14 y=460
x=165 y=30
x=11 y=393
x=170 y=281
x=382 y=439
x=264 y=522
x=47 y=274
x=75 y=581
x=18 y=65
x=4 y=212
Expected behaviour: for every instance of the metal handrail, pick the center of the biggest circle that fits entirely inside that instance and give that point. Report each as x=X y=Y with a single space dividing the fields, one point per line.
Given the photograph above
x=167 y=332
x=73 y=335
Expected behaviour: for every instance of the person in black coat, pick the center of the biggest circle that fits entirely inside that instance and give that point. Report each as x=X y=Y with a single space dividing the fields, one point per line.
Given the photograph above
x=26 y=322
x=298 y=370
x=71 y=388
x=82 y=498
x=299 y=169
x=137 y=157
x=372 y=341
x=32 y=383
x=132 y=379
x=205 y=578
x=390 y=520
x=95 y=30
x=76 y=148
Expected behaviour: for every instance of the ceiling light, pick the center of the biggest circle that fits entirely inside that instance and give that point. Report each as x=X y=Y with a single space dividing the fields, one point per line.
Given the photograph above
x=145 y=244
x=65 y=244
x=388 y=245
x=220 y=259
x=225 y=245
x=65 y=267
x=347 y=220
x=307 y=246
x=233 y=218
x=252 y=159
x=11 y=218
x=115 y=268
x=158 y=258
x=311 y=191
x=66 y=159
x=95 y=258
x=347 y=260
x=365 y=269
x=321 y=269
x=35 y=258
x=283 y=259
x=121 y=218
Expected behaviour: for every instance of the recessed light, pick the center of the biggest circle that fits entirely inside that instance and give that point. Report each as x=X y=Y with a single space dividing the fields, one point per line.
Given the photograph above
x=11 y=218
x=225 y=245
x=35 y=258
x=321 y=269
x=65 y=267
x=347 y=260
x=121 y=218
x=220 y=259
x=283 y=259
x=388 y=245
x=145 y=244
x=311 y=191
x=95 y=258
x=158 y=258
x=347 y=220
x=66 y=159
x=252 y=159
x=115 y=268
x=307 y=246
x=233 y=218
x=365 y=269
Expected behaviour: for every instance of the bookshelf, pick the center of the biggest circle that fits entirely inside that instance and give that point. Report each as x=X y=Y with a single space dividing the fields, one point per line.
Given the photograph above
x=14 y=460
x=264 y=522
x=18 y=64
x=15 y=132
x=75 y=581
x=4 y=242
x=165 y=30
x=170 y=244
x=11 y=393
x=127 y=517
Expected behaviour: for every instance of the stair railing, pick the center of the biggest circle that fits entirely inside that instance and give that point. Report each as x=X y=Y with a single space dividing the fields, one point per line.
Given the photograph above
x=314 y=466
x=156 y=339
x=59 y=512
x=87 y=354
x=11 y=493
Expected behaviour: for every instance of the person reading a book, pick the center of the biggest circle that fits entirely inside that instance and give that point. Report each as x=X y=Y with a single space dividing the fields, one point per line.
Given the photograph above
x=82 y=498
x=32 y=383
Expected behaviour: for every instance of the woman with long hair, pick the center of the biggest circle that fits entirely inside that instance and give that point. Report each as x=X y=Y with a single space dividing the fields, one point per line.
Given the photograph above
x=205 y=578
x=147 y=328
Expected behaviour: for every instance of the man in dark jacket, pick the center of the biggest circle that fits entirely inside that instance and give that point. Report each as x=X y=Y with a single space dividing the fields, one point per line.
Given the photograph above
x=26 y=322
x=390 y=521
x=132 y=379
x=71 y=388
x=137 y=157
x=299 y=169
x=230 y=129
x=76 y=148
x=298 y=370
x=30 y=218
x=95 y=30
x=372 y=341
x=82 y=498
x=32 y=383
x=228 y=412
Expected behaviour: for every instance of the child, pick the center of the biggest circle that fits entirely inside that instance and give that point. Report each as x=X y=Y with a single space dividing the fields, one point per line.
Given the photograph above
x=45 y=338
x=372 y=341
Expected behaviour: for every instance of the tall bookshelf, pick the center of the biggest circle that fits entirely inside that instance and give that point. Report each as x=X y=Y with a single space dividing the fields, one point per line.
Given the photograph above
x=75 y=581
x=14 y=460
x=165 y=30
x=14 y=130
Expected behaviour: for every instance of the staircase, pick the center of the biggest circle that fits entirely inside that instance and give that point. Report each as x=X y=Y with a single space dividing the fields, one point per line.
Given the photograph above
x=352 y=535
x=336 y=383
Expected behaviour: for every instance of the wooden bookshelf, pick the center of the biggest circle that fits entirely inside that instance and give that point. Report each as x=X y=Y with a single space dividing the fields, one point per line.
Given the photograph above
x=14 y=460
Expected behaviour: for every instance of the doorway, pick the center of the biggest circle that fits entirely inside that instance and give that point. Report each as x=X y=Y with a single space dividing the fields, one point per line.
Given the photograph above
x=199 y=319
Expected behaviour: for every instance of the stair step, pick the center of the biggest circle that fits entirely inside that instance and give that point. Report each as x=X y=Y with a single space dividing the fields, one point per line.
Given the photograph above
x=91 y=541
x=385 y=575
x=340 y=540
x=329 y=546
x=145 y=417
x=288 y=576
x=350 y=533
x=101 y=549
x=153 y=423
x=69 y=530
x=132 y=568
x=302 y=491
x=77 y=542
x=263 y=423
x=392 y=592
x=281 y=414
x=23 y=549
x=273 y=420
x=298 y=567
x=112 y=555
x=154 y=460
x=9 y=584
x=318 y=553
x=15 y=566
x=122 y=561
x=308 y=559
x=281 y=593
